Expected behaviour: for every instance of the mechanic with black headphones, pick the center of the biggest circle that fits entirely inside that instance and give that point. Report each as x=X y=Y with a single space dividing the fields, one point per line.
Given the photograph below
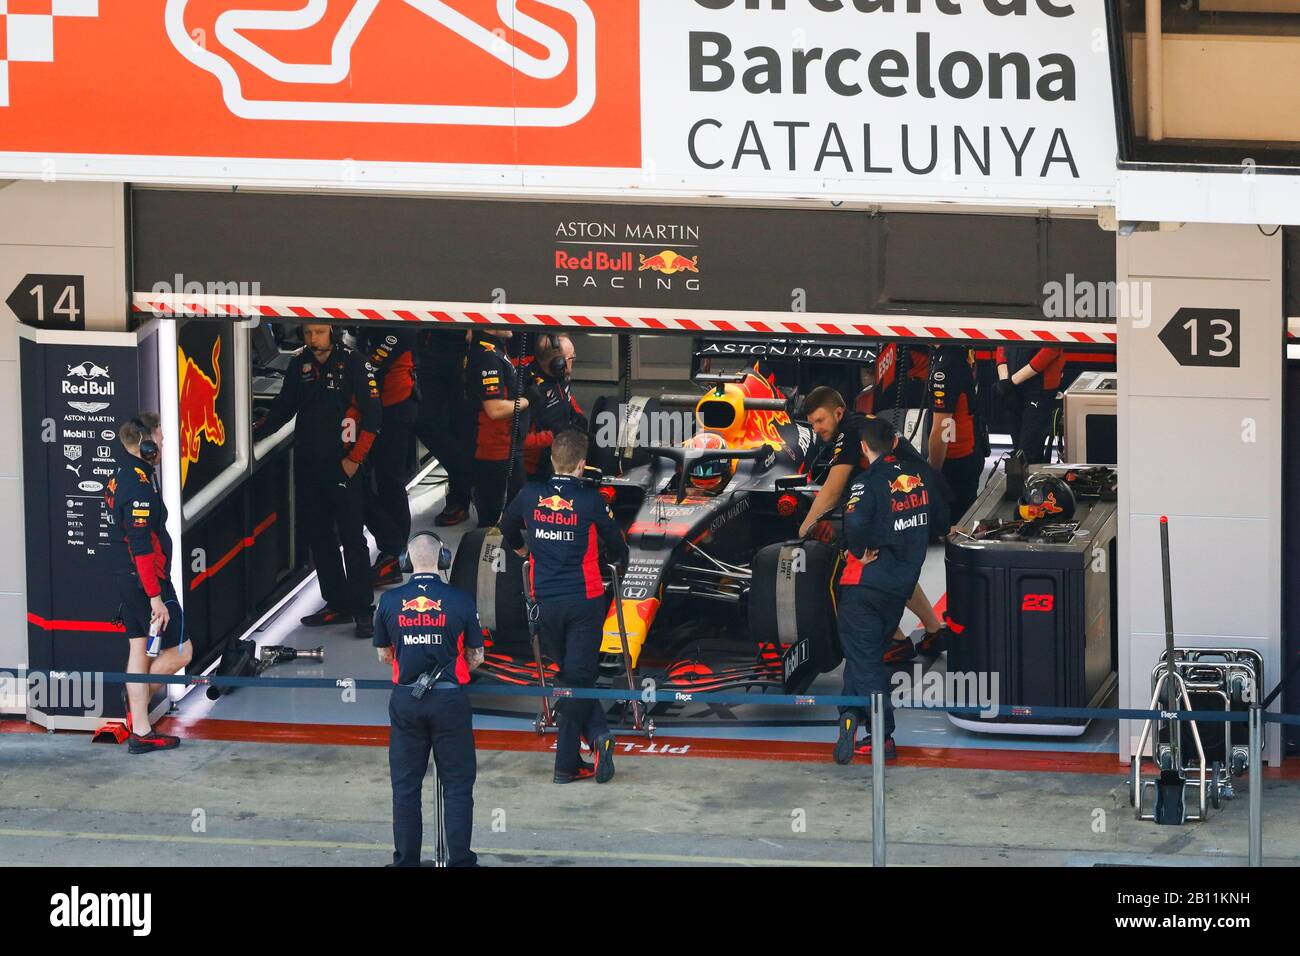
x=550 y=396
x=150 y=612
x=429 y=631
x=334 y=394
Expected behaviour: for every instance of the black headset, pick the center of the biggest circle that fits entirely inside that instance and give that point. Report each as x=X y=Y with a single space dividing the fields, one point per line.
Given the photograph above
x=557 y=366
x=444 y=552
x=148 y=447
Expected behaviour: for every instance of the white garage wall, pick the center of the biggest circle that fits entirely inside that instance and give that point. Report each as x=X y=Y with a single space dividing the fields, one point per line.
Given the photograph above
x=60 y=228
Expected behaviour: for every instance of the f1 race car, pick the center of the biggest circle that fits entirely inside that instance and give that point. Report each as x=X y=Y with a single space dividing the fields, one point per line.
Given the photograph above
x=718 y=593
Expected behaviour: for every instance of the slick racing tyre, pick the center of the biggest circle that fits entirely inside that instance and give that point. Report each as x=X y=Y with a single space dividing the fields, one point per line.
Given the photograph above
x=490 y=572
x=619 y=435
x=791 y=604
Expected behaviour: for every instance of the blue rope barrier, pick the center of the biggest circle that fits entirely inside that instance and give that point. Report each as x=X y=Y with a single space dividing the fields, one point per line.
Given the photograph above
x=653 y=696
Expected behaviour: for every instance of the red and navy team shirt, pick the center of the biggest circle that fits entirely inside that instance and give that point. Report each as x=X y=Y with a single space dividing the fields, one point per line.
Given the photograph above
x=564 y=522
x=429 y=624
x=140 y=516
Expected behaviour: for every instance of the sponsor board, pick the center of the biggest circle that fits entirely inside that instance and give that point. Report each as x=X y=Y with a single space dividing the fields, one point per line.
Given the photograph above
x=818 y=98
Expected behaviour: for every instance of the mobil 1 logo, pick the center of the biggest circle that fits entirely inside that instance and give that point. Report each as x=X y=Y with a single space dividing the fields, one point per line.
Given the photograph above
x=1204 y=337
x=50 y=301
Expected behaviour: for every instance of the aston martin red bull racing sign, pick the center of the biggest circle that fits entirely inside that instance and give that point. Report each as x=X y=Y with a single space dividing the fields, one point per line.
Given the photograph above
x=949 y=99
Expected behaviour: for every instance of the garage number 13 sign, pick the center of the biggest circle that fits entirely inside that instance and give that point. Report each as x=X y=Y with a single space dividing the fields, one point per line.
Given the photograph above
x=1204 y=337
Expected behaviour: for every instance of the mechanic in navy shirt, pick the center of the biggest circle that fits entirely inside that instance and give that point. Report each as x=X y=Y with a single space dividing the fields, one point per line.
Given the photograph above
x=887 y=532
x=429 y=631
x=143 y=576
x=561 y=524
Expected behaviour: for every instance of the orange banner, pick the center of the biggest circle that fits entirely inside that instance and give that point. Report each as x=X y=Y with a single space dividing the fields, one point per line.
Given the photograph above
x=483 y=82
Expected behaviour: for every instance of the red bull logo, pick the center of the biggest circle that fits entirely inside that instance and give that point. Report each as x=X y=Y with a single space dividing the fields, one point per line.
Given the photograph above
x=198 y=407
x=669 y=263
x=422 y=605
x=555 y=503
x=905 y=484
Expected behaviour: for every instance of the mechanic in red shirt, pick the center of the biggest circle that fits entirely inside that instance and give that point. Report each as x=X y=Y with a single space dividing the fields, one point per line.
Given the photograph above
x=1028 y=380
x=491 y=390
x=387 y=508
x=149 y=603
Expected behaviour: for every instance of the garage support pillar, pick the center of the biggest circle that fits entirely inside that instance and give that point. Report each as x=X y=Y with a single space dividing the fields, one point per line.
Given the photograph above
x=1200 y=440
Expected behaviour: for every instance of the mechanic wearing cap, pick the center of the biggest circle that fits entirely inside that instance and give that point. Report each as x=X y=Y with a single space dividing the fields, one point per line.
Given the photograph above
x=149 y=605
x=429 y=631
x=444 y=425
x=1028 y=379
x=493 y=397
x=886 y=529
x=387 y=507
x=560 y=524
x=550 y=396
x=334 y=394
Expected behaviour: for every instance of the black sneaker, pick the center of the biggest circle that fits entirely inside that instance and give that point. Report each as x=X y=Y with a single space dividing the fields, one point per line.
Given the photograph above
x=844 y=743
x=365 y=628
x=451 y=516
x=582 y=773
x=325 y=617
x=604 y=756
x=152 y=741
x=932 y=645
x=863 y=748
x=900 y=652
x=387 y=570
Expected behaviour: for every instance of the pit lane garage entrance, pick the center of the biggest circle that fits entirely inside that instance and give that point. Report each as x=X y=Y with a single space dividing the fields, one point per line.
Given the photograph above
x=652 y=294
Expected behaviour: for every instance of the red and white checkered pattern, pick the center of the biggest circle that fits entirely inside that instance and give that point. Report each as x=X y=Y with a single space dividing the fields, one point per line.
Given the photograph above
x=27 y=32
x=695 y=321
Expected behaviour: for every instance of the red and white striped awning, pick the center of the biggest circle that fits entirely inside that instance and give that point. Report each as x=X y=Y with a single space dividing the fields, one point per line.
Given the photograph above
x=693 y=321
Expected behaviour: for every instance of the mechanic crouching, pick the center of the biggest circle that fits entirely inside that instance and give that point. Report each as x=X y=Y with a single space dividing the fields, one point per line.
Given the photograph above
x=560 y=525
x=429 y=631
x=886 y=530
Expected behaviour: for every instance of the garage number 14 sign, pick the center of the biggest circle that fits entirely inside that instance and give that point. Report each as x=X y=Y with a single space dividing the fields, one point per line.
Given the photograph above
x=1204 y=337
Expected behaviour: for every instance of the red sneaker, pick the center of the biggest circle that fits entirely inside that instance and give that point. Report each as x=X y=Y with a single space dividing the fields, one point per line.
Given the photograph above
x=152 y=741
x=863 y=748
x=584 y=772
x=900 y=652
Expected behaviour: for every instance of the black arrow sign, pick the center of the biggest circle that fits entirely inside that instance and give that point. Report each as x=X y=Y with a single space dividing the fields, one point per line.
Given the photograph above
x=51 y=302
x=1204 y=337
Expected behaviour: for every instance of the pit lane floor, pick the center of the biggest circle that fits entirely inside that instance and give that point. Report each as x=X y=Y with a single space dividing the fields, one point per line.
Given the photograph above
x=65 y=801
x=345 y=656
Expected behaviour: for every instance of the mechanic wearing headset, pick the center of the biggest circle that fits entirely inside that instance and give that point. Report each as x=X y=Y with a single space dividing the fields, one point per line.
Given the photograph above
x=1028 y=379
x=560 y=524
x=387 y=507
x=429 y=631
x=550 y=397
x=334 y=394
x=149 y=606
x=887 y=532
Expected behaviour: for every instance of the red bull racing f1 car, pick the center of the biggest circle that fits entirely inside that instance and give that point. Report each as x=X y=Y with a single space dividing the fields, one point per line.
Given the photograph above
x=718 y=593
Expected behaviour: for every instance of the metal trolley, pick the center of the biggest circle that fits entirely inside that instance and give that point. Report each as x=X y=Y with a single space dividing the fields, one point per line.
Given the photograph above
x=1186 y=679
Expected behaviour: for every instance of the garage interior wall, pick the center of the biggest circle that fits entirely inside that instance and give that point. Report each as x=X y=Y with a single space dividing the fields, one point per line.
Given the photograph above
x=59 y=228
x=1202 y=445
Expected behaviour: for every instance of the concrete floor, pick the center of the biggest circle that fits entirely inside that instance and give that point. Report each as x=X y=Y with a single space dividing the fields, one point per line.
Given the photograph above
x=65 y=801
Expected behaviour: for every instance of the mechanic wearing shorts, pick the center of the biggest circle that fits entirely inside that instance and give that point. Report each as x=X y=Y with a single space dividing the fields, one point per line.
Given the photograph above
x=149 y=604
x=560 y=524
x=887 y=532
x=429 y=631
x=1028 y=380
